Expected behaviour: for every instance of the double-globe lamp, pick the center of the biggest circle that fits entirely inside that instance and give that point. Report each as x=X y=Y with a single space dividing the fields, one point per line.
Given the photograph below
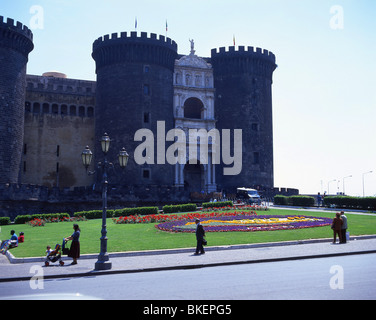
x=103 y=262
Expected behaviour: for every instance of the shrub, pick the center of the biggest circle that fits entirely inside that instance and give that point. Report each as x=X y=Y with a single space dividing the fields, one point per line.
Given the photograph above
x=97 y=214
x=4 y=221
x=302 y=201
x=22 y=219
x=217 y=204
x=366 y=203
x=179 y=208
x=299 y=201
x=280 y=200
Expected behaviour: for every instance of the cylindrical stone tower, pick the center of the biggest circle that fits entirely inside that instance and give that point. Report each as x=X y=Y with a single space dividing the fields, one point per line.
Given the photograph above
x=16 y=42
x=134 y=91
x=243 y=83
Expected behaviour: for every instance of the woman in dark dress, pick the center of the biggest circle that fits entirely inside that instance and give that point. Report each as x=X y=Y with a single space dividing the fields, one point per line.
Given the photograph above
x=74 y=251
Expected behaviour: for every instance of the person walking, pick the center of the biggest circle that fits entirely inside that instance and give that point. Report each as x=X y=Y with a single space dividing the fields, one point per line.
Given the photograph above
x=74 y=251
x=344 y=227
x=200 y=234
x=336 y=226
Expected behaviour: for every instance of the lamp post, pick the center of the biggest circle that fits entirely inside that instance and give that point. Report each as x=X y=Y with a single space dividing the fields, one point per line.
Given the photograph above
x=103 y=262
x=329 y=184
x=343 y=180
x=363 y=179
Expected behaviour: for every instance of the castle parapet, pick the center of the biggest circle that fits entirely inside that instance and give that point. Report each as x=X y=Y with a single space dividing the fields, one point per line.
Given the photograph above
x=243 y=52
x=16 y=36
x=248 y=60
x=123 y=38
x=117 y=48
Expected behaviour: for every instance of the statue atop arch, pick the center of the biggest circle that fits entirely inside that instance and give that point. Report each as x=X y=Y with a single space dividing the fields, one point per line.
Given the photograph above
x=192 y=46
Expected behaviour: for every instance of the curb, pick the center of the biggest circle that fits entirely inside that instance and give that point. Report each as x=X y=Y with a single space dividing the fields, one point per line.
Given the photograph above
x=194 y=266
x=187 y=267
x=14 y=260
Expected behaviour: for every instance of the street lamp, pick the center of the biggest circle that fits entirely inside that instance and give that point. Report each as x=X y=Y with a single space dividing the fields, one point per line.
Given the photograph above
x=103 y=262
x=329 y=184
x=343 y=180
x=363 y=179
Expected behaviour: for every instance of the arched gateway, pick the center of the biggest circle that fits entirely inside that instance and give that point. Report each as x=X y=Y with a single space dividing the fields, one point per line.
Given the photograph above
x=194 y=109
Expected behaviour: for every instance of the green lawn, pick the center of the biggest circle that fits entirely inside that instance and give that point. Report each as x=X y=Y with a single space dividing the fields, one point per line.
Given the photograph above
x=135 y=237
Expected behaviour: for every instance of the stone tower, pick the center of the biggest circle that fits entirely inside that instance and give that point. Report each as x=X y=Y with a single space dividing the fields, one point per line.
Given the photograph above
x=243 y=83
x=16 y=42
x=135 y=91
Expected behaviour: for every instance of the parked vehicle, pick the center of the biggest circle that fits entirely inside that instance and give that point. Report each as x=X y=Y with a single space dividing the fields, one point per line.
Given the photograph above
x=248 y=195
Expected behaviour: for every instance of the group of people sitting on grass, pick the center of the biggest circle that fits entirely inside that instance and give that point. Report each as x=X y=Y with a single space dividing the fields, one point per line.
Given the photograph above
x=12 y=242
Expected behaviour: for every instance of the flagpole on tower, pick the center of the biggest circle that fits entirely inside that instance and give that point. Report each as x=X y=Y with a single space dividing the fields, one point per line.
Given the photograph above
x=135 y=24
x=166 y=28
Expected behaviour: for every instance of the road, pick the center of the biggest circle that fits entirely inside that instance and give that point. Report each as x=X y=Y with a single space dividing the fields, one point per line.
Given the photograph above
x=345 y=277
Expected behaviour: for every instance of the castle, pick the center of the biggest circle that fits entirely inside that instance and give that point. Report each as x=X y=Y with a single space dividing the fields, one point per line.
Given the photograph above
x=142 y=82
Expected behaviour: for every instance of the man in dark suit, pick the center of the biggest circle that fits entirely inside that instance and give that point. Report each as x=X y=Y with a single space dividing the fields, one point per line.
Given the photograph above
x=200 y=234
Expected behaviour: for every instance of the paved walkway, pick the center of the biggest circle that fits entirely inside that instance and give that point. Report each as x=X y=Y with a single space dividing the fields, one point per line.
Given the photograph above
x=144 y=261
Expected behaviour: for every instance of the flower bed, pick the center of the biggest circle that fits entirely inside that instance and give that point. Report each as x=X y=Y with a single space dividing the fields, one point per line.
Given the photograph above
x=245 y=223
x=39 y=222
x=152 y=218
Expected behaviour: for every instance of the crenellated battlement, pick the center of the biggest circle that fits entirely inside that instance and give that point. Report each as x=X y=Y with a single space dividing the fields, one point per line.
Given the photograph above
x=252 y=60
x=18 y=26
x=243 y=52
x=16 y=36
x=133 y=37
x=113 y=49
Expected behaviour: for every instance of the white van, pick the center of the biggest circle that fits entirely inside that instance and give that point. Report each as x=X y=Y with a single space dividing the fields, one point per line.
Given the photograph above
x=248 y=195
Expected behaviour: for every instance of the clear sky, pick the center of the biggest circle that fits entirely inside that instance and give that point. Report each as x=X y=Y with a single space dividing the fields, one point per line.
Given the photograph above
x=324 y=90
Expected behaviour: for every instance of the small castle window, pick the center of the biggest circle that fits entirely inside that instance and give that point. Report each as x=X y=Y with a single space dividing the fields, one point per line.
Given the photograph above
x=255 y=127
x=256 y=158
x=146 y=117
x=146 y=89
x=146 y=173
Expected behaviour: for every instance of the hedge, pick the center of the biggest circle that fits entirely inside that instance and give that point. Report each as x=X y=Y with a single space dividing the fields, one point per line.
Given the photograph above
x=4 y=221
x=298 y=201
x=179 y=208
x=280 y=200
x=26 y=218
x=217 y=204
x=366 y=203
x=97 y=214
